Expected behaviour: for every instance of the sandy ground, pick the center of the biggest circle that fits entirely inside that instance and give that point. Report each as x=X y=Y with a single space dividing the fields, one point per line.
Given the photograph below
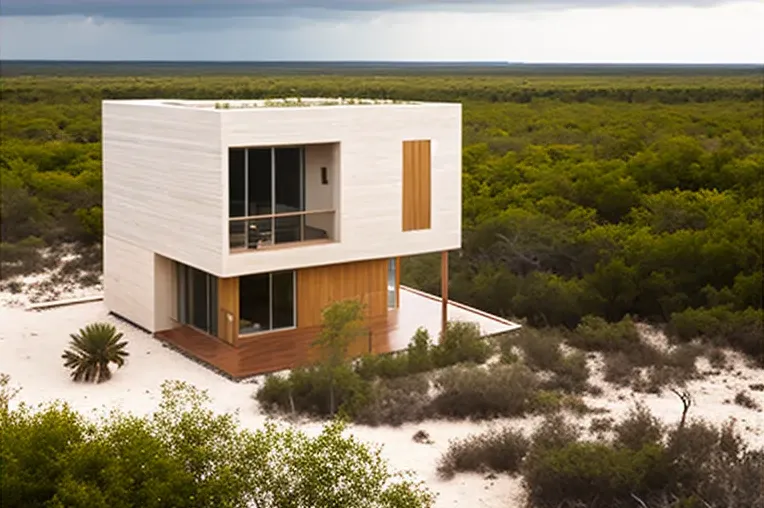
x=31 y=343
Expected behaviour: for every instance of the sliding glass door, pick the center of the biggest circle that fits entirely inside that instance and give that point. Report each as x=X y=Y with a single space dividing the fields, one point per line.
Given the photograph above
x=266 y=302
x=197 y=299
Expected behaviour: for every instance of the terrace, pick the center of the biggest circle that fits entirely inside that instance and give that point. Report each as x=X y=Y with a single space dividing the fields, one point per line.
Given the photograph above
x=292 y=347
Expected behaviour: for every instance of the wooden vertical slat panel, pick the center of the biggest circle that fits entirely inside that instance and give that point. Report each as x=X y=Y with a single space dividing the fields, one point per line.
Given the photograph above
x=417 y=185
x=228 y=301
x=320 y=286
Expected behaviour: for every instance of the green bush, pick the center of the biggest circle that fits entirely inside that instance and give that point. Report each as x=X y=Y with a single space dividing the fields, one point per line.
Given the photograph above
x=592 y=474
x=662 y=467
x=461 y=343
x=500 y=390
x=387 y=366
x=186 y=456
x=721 y=326
x=318 y=391
x=541 y=348
x=596 y=334
x=396 y=401
x=501 y=451
x=638 y=429
x=571 y=374
x=420 y=352
x=618 y=369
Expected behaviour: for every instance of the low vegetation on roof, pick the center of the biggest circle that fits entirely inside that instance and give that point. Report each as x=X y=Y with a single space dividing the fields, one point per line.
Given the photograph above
x=300 y=102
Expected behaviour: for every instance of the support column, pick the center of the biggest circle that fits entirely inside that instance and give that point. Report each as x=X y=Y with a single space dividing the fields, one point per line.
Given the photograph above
x=444 y=292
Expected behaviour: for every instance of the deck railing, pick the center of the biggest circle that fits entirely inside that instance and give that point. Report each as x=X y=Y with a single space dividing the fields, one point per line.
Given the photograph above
x=265 y=231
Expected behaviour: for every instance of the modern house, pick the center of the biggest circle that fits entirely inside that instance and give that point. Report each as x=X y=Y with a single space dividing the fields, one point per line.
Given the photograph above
x=230 y=226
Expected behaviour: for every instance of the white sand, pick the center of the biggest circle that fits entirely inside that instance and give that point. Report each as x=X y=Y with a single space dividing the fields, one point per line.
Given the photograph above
x=31 y=343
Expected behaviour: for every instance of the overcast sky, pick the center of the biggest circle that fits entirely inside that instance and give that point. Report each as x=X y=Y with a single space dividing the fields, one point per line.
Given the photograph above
x=633 y=31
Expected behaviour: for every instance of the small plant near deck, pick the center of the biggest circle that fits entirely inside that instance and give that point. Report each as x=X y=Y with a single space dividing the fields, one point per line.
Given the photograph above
x=92 y=350
x=460 y=344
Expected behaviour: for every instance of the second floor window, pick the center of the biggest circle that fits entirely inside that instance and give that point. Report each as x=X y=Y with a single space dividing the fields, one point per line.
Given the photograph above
x=266 y=181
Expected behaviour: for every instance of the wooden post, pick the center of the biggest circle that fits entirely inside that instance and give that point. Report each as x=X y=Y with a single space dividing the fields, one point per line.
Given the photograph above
x=444 y=292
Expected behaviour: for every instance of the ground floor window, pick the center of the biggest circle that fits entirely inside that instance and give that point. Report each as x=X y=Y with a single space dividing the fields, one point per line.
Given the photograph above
x=267 y=302
x=197 y=299
x=391 y=278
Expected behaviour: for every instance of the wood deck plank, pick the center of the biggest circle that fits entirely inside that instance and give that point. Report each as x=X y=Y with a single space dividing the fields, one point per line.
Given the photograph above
x=271 y=352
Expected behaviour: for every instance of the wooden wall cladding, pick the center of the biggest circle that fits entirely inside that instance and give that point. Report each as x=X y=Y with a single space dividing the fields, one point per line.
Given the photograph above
x=416 y=185
x=228 y=316
x=319 y=286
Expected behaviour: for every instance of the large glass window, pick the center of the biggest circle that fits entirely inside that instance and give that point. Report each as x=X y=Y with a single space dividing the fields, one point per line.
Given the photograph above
x=259 y=181
x=265 y=181
x=197 y=299
x=267 y=199
x=266 y=302
x=237 y=197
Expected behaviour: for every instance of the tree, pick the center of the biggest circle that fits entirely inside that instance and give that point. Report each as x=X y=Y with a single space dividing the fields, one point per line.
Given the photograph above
x=92 y=350
x=187 y=455
x=343 y=322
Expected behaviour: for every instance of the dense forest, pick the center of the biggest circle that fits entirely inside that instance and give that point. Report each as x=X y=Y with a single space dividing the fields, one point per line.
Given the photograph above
x=583 y=195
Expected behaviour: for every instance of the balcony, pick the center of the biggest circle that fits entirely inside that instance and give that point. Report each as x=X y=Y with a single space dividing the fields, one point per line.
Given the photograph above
x=286 y=229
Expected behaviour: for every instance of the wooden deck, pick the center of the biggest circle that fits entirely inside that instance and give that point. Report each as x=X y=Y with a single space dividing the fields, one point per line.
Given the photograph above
x=271 y=352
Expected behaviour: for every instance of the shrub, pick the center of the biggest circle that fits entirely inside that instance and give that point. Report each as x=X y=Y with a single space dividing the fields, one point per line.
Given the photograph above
x=541 y=348
x=186 y=455
x=388 y=366
x=601 y=426
x=92 y=350
x=396 y=401
x=618 y=369
x=742 y=330
x=745 y=400
x=716 y=357
x=571 y=374
x=420 y=352
x=500 y=451
x=592 y=474
x=461 y=343
x=501 y=390
x=546 y=401
x=417 y=358
x=662 y=467
x=596 y=334
x=318 y=391
x=550 y=401
x=638 y=429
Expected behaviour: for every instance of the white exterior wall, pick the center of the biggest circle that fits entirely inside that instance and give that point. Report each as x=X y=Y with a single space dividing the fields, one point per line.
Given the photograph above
x=128 y=279
x=166 y=185
x=163 y=181
x=370 y=173
x=162 y=194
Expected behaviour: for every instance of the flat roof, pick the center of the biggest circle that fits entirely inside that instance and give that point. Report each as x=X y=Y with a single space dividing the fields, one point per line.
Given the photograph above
x=283 y=102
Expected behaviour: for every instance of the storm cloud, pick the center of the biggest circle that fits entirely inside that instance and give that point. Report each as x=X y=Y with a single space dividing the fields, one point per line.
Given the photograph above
x=163 y=9
x=647 y=31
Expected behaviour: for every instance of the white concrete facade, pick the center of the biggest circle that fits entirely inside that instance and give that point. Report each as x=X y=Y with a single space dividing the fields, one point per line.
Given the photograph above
x=165 y=173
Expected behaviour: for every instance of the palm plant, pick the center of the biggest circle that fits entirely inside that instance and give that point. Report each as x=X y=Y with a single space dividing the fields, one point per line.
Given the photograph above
x=92 y=350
